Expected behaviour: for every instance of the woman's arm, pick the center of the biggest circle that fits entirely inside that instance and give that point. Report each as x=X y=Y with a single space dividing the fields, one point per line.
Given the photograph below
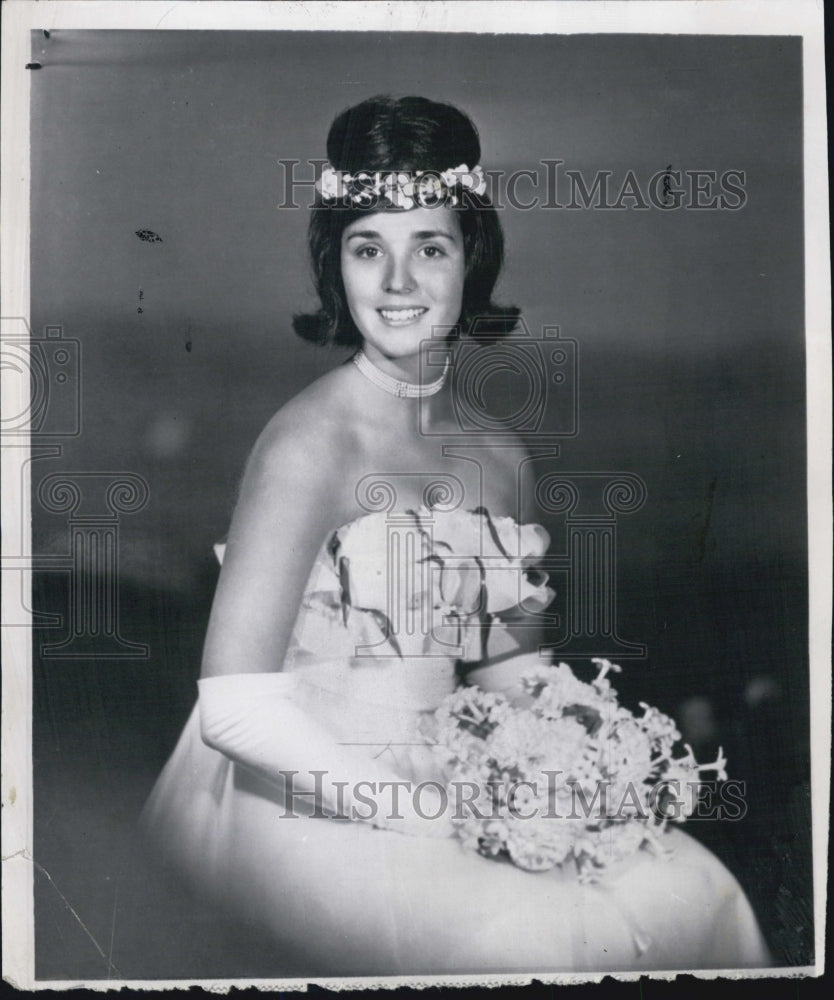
x=289 y=498
x=292 y=495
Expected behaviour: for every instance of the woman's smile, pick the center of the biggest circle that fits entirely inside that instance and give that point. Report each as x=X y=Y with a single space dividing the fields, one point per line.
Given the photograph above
x=401 y=316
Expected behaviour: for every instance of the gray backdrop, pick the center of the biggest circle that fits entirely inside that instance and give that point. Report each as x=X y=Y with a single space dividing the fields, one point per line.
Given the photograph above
x=691 y=375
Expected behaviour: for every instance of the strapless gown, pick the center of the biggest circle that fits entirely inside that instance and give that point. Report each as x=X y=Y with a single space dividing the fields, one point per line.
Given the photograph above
x=344 y=898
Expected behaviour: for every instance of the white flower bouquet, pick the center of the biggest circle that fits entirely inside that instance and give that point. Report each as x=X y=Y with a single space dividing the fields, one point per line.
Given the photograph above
x=565 y=775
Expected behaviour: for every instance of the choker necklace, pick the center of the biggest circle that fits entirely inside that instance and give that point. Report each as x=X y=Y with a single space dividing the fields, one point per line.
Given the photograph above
x=395 y=386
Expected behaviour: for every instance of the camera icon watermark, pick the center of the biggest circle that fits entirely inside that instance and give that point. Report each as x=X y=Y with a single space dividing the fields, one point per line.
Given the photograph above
x=47 y=399
x=506 y=384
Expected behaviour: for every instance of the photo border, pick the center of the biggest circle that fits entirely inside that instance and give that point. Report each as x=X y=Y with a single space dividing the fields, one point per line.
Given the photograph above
x=722 y=17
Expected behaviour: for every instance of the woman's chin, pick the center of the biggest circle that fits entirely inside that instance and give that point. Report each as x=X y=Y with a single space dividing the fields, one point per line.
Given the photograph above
x=399 y=344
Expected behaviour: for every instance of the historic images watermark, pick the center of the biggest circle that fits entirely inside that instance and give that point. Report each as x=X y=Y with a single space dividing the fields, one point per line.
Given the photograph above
x=525 y=800
x=550 y=185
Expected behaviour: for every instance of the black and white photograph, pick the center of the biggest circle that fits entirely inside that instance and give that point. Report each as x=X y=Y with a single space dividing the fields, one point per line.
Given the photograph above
x=417 y=499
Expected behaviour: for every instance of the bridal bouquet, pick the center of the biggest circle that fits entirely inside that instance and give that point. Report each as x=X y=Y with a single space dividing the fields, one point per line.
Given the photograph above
x=564 y=775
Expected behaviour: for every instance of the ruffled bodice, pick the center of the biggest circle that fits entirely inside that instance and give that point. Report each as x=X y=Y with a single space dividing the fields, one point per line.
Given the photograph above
x=394 y=602
x=418 y=585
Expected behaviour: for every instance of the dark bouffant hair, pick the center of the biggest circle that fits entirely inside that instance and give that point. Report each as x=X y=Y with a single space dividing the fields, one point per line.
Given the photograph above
x=404 y=134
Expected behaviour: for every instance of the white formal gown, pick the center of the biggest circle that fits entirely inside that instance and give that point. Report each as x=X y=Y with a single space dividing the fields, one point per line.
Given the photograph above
x=345 y=898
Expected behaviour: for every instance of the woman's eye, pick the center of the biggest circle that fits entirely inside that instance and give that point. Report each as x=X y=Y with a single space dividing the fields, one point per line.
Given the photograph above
x=432 y=251
x=368 y=252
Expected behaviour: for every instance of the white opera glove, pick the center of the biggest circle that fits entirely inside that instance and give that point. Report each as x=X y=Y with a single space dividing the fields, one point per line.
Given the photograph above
x=254 y=720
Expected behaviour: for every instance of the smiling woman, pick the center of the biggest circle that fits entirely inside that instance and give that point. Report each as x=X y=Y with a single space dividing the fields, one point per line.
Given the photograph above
x=371 y=571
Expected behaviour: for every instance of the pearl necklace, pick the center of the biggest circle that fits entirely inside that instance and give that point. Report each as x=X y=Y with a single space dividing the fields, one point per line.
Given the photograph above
x=395 y=386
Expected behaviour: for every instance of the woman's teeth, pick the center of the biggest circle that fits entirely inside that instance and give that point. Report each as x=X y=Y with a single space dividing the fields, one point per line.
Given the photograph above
x=400 y=315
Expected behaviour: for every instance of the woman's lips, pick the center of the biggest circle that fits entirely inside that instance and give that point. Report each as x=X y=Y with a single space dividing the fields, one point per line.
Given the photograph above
x=402 y=316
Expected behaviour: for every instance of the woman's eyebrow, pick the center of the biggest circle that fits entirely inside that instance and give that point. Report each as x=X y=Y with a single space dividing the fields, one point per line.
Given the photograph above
x=423 y=234
x=432 y=234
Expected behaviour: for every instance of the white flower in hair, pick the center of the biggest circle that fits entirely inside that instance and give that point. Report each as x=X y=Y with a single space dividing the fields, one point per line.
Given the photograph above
x=478 y=179
x=400 y=191
x=331 y=183
x=473 y=179
x=453 y=176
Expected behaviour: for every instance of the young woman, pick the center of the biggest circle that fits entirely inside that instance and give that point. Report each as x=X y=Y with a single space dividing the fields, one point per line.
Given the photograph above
x=336 y=626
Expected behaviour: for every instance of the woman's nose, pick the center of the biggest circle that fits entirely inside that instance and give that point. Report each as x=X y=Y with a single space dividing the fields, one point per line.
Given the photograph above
x=398 y=276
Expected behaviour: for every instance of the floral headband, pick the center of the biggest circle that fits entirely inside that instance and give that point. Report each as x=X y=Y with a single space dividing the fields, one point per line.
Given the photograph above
x=425 y=188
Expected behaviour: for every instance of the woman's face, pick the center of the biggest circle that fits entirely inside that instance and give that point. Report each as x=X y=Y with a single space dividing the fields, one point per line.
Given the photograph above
x=403 y=274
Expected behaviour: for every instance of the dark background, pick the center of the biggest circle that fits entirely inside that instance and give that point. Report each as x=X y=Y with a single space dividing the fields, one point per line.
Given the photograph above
x=691 y=375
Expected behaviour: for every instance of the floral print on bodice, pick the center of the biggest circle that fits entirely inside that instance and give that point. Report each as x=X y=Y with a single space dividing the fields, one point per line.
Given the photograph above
x=419 y=584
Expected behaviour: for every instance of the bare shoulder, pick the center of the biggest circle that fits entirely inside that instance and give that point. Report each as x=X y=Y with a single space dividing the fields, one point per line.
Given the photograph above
x=315 y=424
x=305 y=447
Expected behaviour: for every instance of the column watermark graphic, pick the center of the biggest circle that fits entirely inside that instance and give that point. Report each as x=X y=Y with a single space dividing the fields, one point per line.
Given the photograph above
x=412 y=567
x=47 y=368
x=591 y=503
x=94 y=503
x=423 y=575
